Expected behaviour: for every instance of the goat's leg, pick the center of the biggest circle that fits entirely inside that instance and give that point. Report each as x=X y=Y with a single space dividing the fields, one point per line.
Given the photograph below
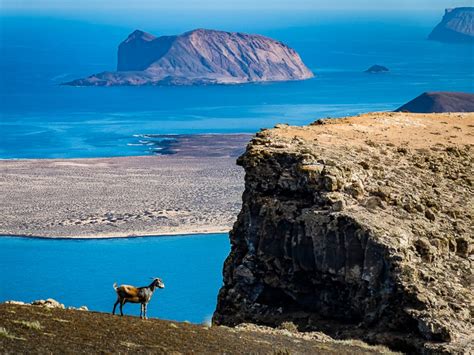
x=115 y=305
x=144 y=311
x=141 y=310
x=122 y=302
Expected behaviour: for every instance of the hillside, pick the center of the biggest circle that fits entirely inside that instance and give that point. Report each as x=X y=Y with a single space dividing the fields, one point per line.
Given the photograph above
x=33 y=329
x=438 y=102
x=358 y=227
x=200 y=57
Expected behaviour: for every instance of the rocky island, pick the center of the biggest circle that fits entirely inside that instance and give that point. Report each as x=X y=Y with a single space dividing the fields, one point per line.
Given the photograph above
x=457 y=25
x=438 y=102
x=358 y=227
x=200 y=57
x=377 y=69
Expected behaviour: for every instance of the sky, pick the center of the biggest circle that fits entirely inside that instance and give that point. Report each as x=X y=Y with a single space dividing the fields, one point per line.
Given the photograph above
x=174 y=16
x=116 y=5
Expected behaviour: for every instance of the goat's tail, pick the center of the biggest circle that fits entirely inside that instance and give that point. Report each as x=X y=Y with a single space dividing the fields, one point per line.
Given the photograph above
x=115 y=286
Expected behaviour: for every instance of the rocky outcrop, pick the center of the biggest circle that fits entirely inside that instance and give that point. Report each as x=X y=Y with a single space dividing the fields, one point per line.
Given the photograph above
x=437 y=102
x=200 y=57
x=358 y=227
x=456 y=26
x=377 y=69
x=48 y=303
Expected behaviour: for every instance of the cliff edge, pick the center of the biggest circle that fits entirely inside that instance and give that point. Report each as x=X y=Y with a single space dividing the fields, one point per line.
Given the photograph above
x=200 y=57
x=456 y=26
x=358 y=227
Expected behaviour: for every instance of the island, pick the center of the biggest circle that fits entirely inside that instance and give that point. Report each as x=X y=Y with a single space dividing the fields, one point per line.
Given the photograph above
x=437 y=102
x=200 y=57
x=456 y=26
x=377 y=69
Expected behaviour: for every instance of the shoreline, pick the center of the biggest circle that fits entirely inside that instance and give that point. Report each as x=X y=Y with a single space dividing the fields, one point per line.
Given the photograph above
x=120 y=236
x=199 y=145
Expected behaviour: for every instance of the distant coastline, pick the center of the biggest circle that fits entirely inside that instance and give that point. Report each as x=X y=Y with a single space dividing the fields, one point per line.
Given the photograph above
x=119 y=236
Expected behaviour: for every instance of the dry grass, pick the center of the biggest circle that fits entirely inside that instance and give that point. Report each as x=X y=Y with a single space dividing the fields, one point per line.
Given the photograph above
x=4 y=333
x=358 y=343
x=290 y=326
x=31 y=325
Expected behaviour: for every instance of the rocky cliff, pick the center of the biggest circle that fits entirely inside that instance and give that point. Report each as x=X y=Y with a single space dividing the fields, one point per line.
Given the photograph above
x=200 y=57
x=358 y=227
x=437 y=102
x=457 y=25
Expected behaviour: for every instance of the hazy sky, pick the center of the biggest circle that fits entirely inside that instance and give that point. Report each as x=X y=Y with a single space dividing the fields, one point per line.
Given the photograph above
x=111 y=5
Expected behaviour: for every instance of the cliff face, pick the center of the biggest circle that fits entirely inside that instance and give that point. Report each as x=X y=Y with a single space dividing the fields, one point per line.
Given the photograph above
x=438 y=102
x=201 y=57
x=358 y=227
x=457 y=25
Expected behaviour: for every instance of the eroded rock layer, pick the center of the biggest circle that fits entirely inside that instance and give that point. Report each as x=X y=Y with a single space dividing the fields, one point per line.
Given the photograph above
x=359 y=227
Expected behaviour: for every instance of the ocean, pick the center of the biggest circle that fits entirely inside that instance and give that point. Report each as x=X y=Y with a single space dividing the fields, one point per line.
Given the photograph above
x=41 y=119
x=81 y=272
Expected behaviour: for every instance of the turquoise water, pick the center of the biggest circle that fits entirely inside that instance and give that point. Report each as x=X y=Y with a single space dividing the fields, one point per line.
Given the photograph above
x=81 y=272
x=40 y=119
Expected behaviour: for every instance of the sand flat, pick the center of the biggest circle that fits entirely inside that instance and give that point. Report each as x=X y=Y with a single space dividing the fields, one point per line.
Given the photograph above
x=411 y=130
x=119 y=197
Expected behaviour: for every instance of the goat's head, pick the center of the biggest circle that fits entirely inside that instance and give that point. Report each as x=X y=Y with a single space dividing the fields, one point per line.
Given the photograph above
x=157 y=282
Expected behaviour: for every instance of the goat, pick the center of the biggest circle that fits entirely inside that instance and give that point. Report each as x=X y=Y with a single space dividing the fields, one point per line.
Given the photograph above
x=142 y=295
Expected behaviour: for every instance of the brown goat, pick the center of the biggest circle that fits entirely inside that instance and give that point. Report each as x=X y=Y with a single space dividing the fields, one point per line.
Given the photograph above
x=142 y=295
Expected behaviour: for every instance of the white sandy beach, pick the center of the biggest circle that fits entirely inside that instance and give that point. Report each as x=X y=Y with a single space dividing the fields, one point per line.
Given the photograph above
x=119 y=197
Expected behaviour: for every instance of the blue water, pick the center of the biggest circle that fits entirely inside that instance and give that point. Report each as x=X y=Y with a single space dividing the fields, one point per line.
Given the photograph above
x=40 y=119
x=81 y=272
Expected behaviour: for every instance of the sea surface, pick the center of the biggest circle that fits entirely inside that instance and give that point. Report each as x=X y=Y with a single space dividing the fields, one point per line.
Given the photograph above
x=81 y=272
x=41 y=119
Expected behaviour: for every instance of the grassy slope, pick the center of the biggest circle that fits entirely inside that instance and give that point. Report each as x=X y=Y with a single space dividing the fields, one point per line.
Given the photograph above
x=27 y=329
